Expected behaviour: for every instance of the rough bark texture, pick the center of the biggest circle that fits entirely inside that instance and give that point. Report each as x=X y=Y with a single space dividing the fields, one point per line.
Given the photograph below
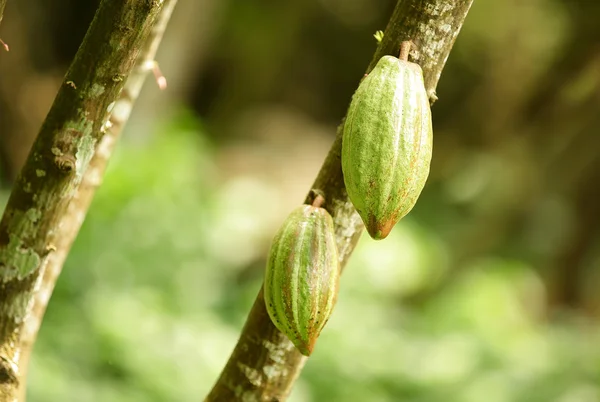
x=264 y=363
x=78 y=207
x=31 y=225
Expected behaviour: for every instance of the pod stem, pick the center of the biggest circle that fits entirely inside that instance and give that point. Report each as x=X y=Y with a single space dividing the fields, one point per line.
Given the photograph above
x=318 y=201
x=405 y=50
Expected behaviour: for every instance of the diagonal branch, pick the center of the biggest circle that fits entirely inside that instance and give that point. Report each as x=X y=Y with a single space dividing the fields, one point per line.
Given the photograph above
x=2 y=4
x=38 y=205
x=264 y=364
x=91 y=180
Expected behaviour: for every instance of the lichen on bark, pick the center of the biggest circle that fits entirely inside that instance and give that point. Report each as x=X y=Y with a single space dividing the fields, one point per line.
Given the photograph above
x=432 y=26
x=119 y=111
x=58 y=161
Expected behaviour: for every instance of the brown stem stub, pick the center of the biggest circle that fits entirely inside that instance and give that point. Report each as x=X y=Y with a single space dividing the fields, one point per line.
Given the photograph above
x=405 y=50
x=318 y=201
x=318 y=198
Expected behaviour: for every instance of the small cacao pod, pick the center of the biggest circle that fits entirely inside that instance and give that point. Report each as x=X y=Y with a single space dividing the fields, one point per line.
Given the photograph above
x=302 y=275
x=387 y=143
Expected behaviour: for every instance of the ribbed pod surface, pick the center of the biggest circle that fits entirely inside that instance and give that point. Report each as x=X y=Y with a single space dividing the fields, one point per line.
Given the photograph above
x=387 y=144
x=302 y=275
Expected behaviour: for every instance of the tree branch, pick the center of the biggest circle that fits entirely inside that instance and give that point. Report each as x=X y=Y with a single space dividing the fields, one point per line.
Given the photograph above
x=92 y=178
x=2 y=4
x=264 y=364
x=31 y=225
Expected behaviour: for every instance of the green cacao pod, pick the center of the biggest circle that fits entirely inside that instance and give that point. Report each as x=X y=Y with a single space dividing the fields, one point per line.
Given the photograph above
x=302 y=276
x=387 y=144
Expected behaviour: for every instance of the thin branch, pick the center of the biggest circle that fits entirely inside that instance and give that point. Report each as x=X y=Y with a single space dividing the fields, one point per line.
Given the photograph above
x=31 y=225
x=92 y=178
x=2 y=5
x=264 y=364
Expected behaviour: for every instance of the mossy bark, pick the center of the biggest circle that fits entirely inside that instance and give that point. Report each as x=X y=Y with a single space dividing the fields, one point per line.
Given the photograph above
x=91 y=180
x=264 y=364
x=30 y=228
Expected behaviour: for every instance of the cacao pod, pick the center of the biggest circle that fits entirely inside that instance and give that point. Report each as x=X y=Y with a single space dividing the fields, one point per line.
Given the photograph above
x=302 y=276
x=387 y=144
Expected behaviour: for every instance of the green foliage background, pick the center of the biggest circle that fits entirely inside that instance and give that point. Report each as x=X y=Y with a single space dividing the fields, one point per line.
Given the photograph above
x=151 y=301
x=487 y=291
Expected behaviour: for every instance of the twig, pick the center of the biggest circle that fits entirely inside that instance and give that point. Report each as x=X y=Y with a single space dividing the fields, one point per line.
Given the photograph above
x=264 y=364
x=30 y=228
x=2 y=4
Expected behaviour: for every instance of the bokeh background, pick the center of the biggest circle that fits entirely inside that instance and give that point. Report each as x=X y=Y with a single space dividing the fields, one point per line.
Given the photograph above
x=487 y=291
